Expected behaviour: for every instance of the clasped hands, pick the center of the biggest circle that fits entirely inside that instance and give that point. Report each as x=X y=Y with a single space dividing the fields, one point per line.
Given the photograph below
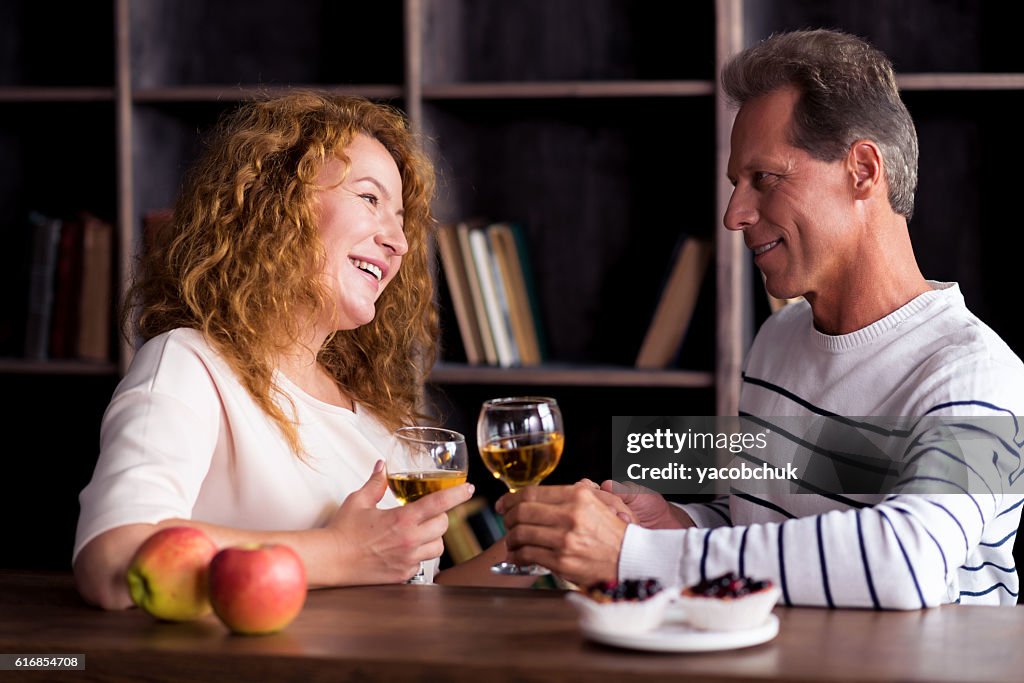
x=577 y=531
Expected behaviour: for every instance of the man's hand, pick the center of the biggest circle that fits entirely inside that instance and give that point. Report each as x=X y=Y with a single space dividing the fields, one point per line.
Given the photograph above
x=648 y=508
x=575 y=531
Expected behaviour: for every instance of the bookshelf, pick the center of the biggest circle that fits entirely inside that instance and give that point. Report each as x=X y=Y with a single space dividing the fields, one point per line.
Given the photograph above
x=595 y=124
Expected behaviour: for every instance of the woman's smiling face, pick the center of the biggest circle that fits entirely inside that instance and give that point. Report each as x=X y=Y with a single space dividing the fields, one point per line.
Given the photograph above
x=361 y=227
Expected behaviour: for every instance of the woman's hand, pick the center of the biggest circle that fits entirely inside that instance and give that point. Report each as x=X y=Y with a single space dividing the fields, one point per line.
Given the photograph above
x=387 y=546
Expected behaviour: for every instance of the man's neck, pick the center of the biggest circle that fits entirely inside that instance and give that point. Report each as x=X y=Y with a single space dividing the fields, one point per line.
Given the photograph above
x=882 y=278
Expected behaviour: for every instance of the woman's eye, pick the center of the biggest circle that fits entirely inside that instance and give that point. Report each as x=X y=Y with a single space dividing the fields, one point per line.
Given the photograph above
x=371 y=198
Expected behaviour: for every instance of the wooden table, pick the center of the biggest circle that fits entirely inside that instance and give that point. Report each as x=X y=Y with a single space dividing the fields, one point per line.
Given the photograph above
x=424 y=633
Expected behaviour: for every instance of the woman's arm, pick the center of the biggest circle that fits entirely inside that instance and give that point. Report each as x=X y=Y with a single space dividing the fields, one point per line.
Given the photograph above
x=361 y=544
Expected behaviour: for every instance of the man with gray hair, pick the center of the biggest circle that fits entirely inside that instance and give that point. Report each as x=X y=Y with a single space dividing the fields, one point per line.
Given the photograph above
x=824 y=165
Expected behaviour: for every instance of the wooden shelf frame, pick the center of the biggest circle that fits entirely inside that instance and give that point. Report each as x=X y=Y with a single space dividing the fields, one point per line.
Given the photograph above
x=733 y=316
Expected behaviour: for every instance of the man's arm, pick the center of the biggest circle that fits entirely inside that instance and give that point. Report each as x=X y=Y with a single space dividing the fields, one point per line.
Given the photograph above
x=900 y=554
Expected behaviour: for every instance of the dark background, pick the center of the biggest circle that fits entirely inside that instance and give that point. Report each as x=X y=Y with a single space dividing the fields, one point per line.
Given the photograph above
x=604 y=187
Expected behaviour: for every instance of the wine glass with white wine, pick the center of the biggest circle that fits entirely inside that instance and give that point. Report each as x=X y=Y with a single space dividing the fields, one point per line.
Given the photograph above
x=425 y=460
x=521 y=440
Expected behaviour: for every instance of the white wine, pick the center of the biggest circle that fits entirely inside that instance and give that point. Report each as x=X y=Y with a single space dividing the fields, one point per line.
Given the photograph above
x=523 y=460
x=410 y=486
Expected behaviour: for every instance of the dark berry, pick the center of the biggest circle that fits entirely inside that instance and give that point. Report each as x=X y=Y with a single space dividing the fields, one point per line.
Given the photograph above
x=630 y=589
x=728 y=585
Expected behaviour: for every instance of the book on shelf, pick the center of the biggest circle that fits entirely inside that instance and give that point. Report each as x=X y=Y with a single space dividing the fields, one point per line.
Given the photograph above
x=454 y=267
x=675 y=306
x=472 y=527
x=95 y=309
x=533 y=299
x=488 y=276
x=485 y=523
x=66 y=291
x=504 y=246
x=459 y=542
x=45 y=246
x=462 y=230
x=492 y=292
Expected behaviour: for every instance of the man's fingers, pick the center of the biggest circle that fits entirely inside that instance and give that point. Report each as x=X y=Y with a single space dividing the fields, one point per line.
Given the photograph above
x=539 y=514
x=626 y=490
x=617 y=504
x=532 y=535
x=534 y=494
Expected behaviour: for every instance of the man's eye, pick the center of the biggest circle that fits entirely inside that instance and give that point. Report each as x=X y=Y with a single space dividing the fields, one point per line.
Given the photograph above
x=371 y=198
x=762 y=177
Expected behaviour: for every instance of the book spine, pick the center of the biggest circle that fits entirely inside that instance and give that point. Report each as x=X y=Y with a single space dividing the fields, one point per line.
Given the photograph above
x=459 y=541
x=95 y=309
x=67 y=292
x=492 y=306
x=530 y=287
x=524 y=329
x=453 y=266
x=476 y=294
x=45 y=240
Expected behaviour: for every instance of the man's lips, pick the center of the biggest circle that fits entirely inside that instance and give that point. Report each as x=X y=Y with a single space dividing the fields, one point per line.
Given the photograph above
x=767 y=246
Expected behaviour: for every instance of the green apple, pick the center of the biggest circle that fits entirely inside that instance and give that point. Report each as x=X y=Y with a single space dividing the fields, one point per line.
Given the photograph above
x=257 y=589
x=167 y=577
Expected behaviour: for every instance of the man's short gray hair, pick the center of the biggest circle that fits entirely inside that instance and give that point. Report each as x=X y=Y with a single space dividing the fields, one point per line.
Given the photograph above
x=847 y=92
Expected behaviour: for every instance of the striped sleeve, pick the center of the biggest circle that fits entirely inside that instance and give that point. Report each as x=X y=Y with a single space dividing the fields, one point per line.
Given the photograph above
x=900 y=554
x=711 y=514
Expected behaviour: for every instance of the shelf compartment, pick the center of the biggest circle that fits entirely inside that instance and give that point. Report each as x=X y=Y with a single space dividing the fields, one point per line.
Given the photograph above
x=566 y=40
x=60 y=44
x=919 y=37
x=602 y=204
x=228 y=42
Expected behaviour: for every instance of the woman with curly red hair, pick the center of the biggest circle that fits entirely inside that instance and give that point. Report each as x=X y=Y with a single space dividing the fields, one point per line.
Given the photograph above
x=288 y=325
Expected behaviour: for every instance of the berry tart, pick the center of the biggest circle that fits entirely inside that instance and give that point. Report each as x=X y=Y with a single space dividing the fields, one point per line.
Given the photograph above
x=633 y=605
x=728 y=603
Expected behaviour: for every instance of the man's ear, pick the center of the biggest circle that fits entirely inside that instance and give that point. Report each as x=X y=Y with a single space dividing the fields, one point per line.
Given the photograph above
x=865 y=164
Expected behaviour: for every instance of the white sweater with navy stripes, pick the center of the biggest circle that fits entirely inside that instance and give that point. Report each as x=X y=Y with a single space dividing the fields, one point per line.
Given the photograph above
x=902 y=551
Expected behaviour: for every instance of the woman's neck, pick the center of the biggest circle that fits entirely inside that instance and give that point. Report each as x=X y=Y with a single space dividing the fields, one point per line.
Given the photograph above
x=300 y=365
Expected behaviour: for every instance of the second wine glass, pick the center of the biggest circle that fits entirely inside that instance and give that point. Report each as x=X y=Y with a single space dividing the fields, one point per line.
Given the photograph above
x=521 y=440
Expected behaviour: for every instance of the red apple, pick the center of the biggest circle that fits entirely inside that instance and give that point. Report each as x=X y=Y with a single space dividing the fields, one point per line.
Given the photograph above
x=167 y=575
x=257 y=589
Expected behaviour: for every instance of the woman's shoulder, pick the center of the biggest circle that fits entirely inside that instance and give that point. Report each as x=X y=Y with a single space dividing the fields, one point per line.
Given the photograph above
x=179 y=356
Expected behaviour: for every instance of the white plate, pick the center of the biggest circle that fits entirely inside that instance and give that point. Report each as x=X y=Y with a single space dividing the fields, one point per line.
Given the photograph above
x=675 y=636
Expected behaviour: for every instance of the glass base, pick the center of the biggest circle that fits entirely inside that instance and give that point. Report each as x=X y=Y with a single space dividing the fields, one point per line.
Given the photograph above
x=513 y=569
x=419 y=577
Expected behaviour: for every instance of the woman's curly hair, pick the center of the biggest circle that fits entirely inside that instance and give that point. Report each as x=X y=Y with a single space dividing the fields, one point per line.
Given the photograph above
x=241 y=259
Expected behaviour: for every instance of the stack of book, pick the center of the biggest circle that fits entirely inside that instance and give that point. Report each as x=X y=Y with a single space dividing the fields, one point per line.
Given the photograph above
x=488 y=275
x=69 y=291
